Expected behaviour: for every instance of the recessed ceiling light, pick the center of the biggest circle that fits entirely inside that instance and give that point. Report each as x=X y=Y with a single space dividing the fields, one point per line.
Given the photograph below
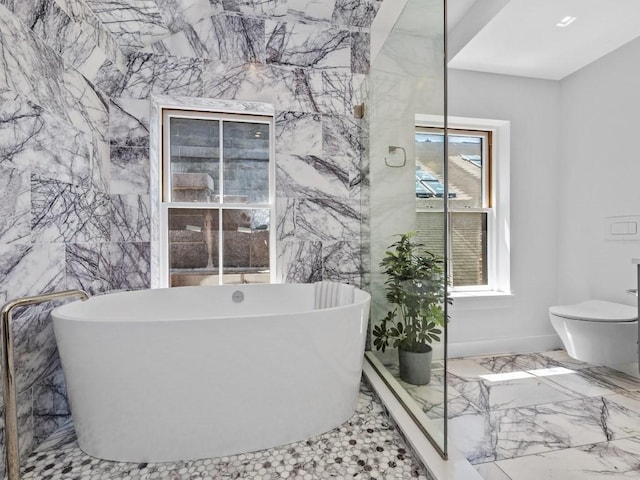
x=566 y=21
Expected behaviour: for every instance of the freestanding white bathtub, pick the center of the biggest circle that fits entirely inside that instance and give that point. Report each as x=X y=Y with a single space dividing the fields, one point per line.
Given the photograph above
x=196 y=372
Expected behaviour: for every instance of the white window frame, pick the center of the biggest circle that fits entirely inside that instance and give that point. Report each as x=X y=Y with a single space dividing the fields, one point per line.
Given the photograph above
x=165 y=204
x=498 y=218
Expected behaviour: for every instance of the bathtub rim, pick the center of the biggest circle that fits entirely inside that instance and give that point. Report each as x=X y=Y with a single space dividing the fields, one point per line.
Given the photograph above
x=360 y=298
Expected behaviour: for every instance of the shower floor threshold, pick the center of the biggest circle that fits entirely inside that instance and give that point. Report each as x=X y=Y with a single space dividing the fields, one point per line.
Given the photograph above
x=457 y=467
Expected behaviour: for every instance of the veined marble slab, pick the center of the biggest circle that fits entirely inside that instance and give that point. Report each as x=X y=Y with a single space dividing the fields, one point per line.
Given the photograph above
x=616 y=460
x=342 y=262
x=291 y=89
x=224 y=38
x=310 y=176
x=179 y=15
x=130 y=219
x=307 y=45
x=129 y=170
x=491 y=471
x=60 y=32
x=320 y=219
x=299 y=261
x=109 y=266
x=356 y=13
x=311 y=10
x=15 y=195
x=270 y=8
x=581 y=437
x=129 y=122
x=501 y=434
x=160 y=74
x=79 y=12
x=298 y=133
x=133 y=25
x=30 y=269
x=34 y=140
x=495 y=395
x=66 y=213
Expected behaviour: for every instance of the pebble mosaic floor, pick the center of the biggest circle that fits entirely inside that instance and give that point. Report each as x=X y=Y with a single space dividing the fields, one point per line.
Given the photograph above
x=367 y=446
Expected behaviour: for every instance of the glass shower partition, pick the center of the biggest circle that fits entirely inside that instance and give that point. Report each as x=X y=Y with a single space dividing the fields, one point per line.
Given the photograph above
x=407 y=203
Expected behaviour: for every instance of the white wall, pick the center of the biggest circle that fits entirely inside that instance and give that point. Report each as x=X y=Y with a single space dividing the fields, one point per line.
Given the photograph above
x=600 y=173
x=520 y=322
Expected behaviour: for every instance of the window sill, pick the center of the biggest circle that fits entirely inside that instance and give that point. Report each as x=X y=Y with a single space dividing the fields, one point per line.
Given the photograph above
x=481 y=299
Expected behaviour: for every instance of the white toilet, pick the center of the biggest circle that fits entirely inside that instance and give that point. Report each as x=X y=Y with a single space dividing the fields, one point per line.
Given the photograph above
x=598 y=332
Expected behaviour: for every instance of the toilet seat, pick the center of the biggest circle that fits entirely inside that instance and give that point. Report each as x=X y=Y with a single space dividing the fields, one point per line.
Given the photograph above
x=596 y=311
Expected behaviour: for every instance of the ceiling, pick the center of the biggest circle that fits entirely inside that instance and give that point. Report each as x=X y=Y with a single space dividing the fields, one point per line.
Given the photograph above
x=520 y=37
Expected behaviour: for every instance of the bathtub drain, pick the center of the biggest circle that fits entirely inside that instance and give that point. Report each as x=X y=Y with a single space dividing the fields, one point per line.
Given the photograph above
x=238 y=296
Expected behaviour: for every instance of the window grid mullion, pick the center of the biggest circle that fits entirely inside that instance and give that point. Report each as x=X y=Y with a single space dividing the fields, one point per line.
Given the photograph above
x=220 y=203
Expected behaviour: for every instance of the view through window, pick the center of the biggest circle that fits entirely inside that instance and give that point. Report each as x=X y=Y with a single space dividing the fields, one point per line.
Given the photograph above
x=469 y=196
x=217 y=197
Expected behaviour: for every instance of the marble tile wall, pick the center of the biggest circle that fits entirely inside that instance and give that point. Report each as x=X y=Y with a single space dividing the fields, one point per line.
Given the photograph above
x=310 y=69
x=53 y=179
x=76 y=77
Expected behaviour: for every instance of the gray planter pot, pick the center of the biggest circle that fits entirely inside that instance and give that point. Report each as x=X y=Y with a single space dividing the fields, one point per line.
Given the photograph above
x=415 y=367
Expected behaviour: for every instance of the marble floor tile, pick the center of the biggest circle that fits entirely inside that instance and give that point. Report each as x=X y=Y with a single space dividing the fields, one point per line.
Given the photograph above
x=491 y=471
x=501 y=434
x=607 y=460
x=458 y=405
x=563 y=358
x=615 y=379
x=585 y=421
x=466 y=368
x=624 y=413
x=574 y=382
x=431 y=397
x=516 y=362
x=496 y=395
x=545 y=416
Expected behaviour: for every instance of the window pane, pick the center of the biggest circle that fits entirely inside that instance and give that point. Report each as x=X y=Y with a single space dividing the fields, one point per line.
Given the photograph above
x=430 y=228
x=193 y=246
x=246 y=162
x=194 y=160
x=468 y=248
x=246 y=246
x=429 y=174
x=465 y=171
x=467 y=190
x=468 y=245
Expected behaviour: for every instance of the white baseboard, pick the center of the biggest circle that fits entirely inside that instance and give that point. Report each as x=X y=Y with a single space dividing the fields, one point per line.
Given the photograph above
x=539 y=343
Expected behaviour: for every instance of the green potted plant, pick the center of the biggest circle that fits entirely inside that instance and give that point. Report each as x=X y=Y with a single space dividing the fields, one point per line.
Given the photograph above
x=415 y=287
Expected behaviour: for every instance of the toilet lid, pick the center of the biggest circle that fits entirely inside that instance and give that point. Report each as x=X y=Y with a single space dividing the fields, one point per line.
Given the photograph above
x=596 y=311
